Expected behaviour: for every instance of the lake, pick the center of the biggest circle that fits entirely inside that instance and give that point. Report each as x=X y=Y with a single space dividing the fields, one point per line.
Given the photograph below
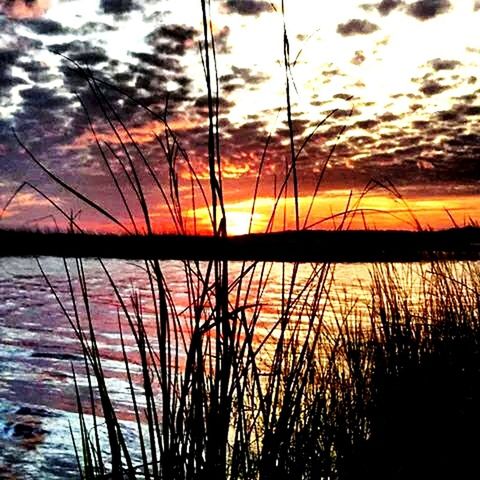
x=38 y=347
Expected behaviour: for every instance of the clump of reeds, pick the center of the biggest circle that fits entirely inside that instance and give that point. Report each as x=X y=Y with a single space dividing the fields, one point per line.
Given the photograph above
x=210 y=398
x=413 y=381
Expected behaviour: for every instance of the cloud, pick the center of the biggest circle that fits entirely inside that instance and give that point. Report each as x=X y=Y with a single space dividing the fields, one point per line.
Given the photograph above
x=221 y=38
x=448 y=116
x=367 y=124
x=247 y=7
x=427 y=9
x=44 y=26
x=7 y=60
x=157 y=61
x=39 y=98
x=458 y=113
x=81 y=52
x=94 y=27
x=38 y=72
x=24 y=8
x=202 y=103
x=242 y=77
x=385 y=7
x=432 y=87
x=116 y=6
x=438 y=64
x=356 y=27
x=172 y=39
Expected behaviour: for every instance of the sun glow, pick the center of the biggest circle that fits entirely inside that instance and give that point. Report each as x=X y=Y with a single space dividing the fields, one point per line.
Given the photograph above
x=238 y=223
x=374 y=211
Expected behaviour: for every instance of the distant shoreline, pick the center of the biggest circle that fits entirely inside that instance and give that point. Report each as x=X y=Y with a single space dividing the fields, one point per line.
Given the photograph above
x=304 y=246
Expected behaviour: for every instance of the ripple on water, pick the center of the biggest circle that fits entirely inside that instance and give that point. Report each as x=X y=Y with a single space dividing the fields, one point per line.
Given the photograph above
x=33 y=443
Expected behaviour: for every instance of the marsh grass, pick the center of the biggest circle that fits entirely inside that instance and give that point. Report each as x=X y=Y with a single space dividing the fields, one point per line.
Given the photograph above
x=414 y=378
x=211 y=397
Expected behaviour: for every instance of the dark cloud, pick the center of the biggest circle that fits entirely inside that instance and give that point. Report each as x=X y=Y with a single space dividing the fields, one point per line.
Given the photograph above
x=116 y=6
x=472 y=110
x=469 y=97
x=247 y=7
x=476 y=7
x=367 y=124
x=7 y=81
x=8 y=59
x=202 y=102
x=448 y=116
x=385 y=7
x=427 y=9
x=171 y=39
x=421 y=124
x=91 y=57
x=411 y=150
x=175 y=32
x=298 y=128
x=342 y=96
x=389 y=117
x=163 y=62
x=432 y=87
x=144 y=78
x=248 y=131
x=221 y=40
x=466 y=140
x=248 y=76
x=38 y=72
x=438 y=64
x=458 y=113
x=356 y=27
x=43 y=26
x=39 y=97
x=150 y=72
x=78 y=49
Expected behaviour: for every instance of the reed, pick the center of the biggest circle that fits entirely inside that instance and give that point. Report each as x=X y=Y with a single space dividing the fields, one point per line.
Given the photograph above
x=215 y=394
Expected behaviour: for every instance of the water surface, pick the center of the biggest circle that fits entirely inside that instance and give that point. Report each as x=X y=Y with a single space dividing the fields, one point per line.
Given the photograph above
x=38 y=348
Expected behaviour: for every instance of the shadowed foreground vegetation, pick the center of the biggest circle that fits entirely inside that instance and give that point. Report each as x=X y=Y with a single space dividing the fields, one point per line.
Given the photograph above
x=413 y=384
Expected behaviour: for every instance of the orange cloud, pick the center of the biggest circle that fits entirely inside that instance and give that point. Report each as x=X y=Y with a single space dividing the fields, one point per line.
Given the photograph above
x=141 y=134
x=25 y=202
x=21 y=9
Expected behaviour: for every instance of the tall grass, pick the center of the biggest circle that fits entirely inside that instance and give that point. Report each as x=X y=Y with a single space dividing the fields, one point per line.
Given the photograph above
x=217 y=395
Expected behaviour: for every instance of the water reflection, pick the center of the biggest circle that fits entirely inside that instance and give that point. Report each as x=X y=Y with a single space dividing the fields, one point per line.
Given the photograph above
x=38 y=346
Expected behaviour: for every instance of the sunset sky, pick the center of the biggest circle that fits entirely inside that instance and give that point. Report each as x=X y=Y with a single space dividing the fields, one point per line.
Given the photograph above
x=402 y=77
